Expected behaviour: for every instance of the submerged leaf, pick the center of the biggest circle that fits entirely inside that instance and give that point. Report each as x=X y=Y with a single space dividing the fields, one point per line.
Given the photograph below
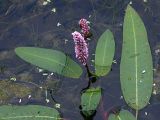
x=28 y=112
x=9 y=90
x=52 y=60
x=104 y=53
x=90 y=100
x=136 y=72
x=123 y=115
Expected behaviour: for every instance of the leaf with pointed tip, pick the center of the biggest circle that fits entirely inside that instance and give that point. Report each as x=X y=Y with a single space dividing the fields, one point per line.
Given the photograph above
x=136 y=72
x=123 y=115
x=28 y=112
x=51 y=60
x=104 y=53
x=90 y=100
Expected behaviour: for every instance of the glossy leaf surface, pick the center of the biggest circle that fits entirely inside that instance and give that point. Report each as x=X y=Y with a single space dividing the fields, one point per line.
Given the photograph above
x=90 y=100
x=104 y=53
x=51 y=60
x=28 y=112
x=136 y=72
x=123 y=115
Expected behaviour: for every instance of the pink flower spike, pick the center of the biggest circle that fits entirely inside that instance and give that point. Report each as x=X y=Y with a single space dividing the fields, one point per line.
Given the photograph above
x=81 y=47
x=84 y=24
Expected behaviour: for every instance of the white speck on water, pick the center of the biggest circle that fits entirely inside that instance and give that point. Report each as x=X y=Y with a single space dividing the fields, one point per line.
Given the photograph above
x=20 y=100
x=29 y=96
x=53 y=10
x=45 y=74
x=130 y=2
x=58 y=24
x=88 y=38
x=154 y=92
x=146 y=113
x=157 y=51
x=114 y=61
x=121 y=97
x=92 y=61
x=145 y=1
x=52 y=74
x=57 y=105
x=90 y=16
x=154 y=84
x=40 y=70
x=65 y=41
x=48 y=0
x=45 y=3
x=13 y=79
x=40 y=87
x=93 y=54
x=47 y=100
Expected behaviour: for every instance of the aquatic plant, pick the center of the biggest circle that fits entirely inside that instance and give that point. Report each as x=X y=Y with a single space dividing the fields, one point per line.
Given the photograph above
x=136 y=75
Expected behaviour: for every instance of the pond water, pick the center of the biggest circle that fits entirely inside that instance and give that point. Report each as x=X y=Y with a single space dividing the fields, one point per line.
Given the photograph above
x=30 y=23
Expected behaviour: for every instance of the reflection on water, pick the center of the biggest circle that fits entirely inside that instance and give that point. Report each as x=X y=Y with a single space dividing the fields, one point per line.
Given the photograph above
x=30 y=23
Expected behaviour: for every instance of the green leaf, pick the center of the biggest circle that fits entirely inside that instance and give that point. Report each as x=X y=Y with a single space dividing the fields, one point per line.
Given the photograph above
x=136 y=72
x=104 y=53
x=123 y=115
x=51 y=60
x=90 y=100
x=29 y=112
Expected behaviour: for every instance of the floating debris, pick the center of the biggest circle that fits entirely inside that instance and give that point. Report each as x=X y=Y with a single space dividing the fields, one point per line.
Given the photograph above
x=59 y=24
x=45 y=74
x=53 y=10
x=114 y=61
x=146 y=113
x=47 y=100
x=20 y=100
x=45 y=3
x=13 y=79
x=130 y=2
x=57 y=105
x=121 y=97
x=65 y=41
x=40 y=70
x=29 y=96
x=154 y=92
x=145 y=1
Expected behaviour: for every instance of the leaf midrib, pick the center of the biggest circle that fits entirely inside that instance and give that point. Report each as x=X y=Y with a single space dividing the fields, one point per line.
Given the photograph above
x=104 y=51
x=52 y=60
x=135 y=50
x=37 y=116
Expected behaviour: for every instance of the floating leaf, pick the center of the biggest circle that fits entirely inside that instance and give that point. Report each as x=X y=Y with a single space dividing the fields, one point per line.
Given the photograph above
x=29 y=112
x=52 y=60
x=90 y=100
x=104 y=53
x=136 y=72
x=123 y=115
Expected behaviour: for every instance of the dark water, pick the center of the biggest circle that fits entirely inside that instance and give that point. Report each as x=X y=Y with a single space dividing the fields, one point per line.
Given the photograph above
x=29 y=23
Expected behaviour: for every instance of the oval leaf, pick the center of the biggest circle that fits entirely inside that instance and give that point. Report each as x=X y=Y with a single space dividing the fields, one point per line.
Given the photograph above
x=90 y=100
x=104 y=53
x=123 y=115
x=136 y=72
x=51 y=60
x=29 y=112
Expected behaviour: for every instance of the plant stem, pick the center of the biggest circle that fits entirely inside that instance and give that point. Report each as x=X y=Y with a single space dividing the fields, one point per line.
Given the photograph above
x=136 y=114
